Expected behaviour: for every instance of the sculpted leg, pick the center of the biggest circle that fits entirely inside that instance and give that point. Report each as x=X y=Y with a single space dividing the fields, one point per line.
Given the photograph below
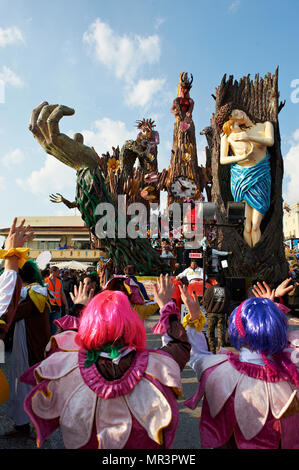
x=248 y=225
x=256 y=224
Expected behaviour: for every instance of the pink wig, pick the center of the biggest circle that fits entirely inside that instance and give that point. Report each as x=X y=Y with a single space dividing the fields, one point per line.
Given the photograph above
x=109 y=317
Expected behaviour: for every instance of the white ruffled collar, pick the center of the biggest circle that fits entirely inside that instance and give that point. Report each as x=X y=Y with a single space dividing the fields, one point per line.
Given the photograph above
x=251 y=356
x=36 y=287
x=122 y=352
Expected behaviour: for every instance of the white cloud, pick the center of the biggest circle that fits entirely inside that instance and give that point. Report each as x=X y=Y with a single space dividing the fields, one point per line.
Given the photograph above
x=123 y=55
x=143 y=92
x=8 y=77
x=12 y=158
x=291 y=171
x=296 y=135
x=106 y=133
x=158 y=22
x=53 y=177
x=234 y=5
x=11 y=35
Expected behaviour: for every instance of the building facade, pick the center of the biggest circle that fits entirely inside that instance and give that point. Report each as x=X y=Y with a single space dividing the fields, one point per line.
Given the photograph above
x=66 y=237
x=291 y=223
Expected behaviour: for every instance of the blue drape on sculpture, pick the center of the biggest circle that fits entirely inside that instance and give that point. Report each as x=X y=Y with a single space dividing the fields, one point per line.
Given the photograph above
x=252 y=185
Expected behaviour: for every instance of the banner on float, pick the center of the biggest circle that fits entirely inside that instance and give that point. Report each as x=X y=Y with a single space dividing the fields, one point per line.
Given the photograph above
x=195 y=255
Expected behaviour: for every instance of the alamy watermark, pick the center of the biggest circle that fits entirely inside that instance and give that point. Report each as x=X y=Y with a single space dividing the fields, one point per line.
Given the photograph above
x=295 y=93
x=137 y=221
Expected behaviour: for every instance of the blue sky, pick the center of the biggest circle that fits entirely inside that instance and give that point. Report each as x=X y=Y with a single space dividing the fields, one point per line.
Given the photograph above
x=119 y=61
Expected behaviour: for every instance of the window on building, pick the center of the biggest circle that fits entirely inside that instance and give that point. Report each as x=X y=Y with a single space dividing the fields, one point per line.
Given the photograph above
x=53 y=245
x=41 y=245
x=82 y=245
x=46 y=244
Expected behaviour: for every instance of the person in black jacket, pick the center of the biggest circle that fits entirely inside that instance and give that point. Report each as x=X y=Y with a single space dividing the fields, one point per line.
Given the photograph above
x=216 y=301
x=68 y=284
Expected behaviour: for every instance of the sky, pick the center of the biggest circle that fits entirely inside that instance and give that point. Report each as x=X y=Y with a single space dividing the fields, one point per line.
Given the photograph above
x=119 y=61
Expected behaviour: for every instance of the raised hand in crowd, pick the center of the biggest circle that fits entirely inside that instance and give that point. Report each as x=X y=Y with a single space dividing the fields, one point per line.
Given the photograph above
x=163 y=290
x=17 y=237
x=284 y=288
x=264 y=290
x=82 y=295
x=192 y=303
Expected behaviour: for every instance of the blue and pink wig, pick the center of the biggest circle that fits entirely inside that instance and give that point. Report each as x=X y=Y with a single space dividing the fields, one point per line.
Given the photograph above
x=108 y=318
x=259 y=325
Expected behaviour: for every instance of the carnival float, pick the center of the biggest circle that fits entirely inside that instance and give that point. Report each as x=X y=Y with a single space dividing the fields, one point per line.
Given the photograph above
x=243 y=169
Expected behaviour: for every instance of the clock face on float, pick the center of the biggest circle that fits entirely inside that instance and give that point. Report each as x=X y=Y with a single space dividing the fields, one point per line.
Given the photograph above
x=183 y=187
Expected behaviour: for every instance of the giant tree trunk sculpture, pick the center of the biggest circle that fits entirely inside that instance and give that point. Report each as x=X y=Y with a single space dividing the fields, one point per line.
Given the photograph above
x=266 y=260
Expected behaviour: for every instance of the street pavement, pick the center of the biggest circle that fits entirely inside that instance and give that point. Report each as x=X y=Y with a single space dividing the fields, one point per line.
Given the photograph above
x=187 y=436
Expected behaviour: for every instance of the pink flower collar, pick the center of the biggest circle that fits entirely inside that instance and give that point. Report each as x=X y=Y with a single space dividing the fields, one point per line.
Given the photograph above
x=281 y=370
x=113 y=388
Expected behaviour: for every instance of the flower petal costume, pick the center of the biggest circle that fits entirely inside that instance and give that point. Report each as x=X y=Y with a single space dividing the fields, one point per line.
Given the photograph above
x=246 y=397
x=136 y=410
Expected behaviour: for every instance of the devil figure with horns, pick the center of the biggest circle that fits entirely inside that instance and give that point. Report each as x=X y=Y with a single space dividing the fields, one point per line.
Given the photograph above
x=182 y=106
x=183 y=165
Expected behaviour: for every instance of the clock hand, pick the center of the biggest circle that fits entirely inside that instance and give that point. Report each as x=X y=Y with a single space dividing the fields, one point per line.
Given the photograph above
x=182 y=186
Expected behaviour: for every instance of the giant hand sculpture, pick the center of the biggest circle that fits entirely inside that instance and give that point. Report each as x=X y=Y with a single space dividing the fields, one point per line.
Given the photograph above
x=91 y=187
x=44 y=125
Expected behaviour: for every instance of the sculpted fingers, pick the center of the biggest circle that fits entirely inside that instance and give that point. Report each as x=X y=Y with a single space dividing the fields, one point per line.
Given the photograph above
x=54 y=118
x=56 y=197
x=33 y=127
x=43 y=118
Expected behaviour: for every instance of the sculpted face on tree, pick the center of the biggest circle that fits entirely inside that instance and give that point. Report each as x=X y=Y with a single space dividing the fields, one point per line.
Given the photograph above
x=239 y=116
x=147 y=133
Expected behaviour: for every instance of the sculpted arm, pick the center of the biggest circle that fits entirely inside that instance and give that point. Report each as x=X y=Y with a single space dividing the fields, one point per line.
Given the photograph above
x=156 y=138
x=266 y=138
x=225 y=159
x=57 y=198
x=191 y=107
x=173 y=108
